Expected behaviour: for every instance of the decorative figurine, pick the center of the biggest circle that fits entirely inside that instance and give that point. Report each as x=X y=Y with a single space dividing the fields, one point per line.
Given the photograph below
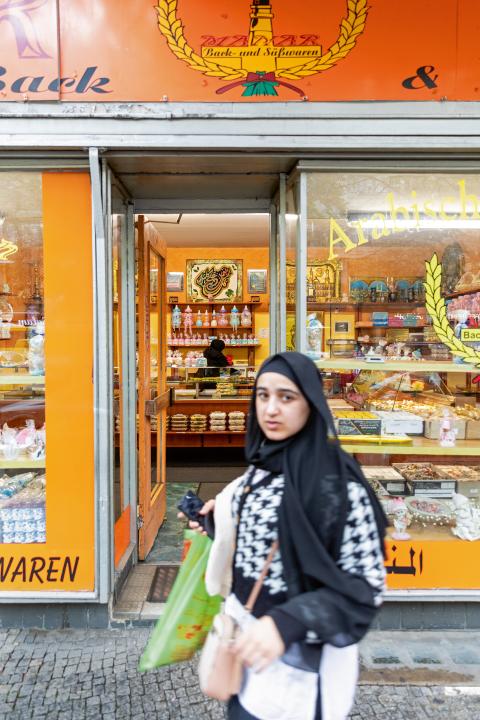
x=392 y=291
x=401 y=520
x=223 y=319
x=447 y=436
x=467 y=519
x=176 y=318
x=380 y=348
x=246 y=317
x=188 y=321
x=234 y=318
x=314 y=337
x=36 y=353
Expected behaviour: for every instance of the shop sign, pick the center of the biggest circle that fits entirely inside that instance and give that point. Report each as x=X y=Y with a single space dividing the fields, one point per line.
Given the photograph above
x=251 y=50
x=431 y=564
x=397 y=217
x=49 y=570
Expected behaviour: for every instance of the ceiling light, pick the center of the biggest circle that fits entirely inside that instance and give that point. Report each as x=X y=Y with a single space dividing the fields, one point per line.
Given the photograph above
x=379 y=220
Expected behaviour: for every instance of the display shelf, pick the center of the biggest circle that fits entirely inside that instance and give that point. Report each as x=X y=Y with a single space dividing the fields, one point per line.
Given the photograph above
x=407 y=365
x=199 y=328
x=205 y=432
x=22 y=379
x=225 y=398
x=217 y=330
x=15 y=328
x=22 y=463
x=418 y=446
x=213 y=303
x=427 y=532
x=368 y=325
x=461 y=293
x=239 y=345
x=397 y=305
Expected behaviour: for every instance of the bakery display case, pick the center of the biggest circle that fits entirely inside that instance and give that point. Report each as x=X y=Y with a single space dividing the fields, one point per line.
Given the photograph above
x=209 y=410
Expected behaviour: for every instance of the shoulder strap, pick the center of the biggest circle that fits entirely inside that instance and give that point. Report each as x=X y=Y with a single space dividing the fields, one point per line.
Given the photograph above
x=252 y=598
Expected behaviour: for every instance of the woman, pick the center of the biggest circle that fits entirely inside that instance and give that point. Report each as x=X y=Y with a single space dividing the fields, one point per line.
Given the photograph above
x=324 y=585
x=215 y=357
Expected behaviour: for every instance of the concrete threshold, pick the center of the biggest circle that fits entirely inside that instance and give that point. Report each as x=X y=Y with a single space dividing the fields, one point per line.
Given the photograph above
x=132 y=608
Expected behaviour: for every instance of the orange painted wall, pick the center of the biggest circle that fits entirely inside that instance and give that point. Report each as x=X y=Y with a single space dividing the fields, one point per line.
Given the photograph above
x=69 y=387
x=122 y=534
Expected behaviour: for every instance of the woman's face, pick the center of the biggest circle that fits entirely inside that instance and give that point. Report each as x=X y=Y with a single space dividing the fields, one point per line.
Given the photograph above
x=282 y=410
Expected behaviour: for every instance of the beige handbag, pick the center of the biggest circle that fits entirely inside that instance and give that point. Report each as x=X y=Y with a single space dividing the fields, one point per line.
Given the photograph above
x=220 y=671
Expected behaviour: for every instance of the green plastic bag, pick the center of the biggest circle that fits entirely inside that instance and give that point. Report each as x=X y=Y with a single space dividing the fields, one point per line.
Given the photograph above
x=189 y=610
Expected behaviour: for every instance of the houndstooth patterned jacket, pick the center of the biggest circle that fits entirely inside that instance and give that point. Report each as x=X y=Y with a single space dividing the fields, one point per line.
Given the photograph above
x=360 y=553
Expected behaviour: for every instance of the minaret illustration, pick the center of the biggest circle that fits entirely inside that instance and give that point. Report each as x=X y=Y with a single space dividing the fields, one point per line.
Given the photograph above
x=261 y=26
x=261 y=55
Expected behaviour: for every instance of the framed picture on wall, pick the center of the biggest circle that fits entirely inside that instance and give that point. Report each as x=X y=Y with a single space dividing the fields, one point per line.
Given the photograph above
x=257 y=281
x=174 y=282
x=214 y=281
x=343 y=326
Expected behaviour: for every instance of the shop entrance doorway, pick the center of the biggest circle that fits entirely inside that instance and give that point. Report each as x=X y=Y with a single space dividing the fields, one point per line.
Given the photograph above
x=192 y=404
x=214 y=206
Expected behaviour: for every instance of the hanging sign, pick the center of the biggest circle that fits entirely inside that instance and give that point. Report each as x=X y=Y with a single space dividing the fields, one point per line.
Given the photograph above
x=247 y=51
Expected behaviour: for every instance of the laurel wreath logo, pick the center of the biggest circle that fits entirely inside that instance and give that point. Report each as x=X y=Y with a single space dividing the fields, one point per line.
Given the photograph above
x=437 y=309
x=173 y=30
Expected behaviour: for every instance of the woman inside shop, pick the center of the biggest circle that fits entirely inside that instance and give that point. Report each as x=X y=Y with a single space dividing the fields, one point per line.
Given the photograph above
x=326 y=577
x=215 y=358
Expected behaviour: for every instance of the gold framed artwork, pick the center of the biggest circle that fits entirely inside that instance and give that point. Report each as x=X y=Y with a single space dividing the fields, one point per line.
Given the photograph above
x=214 y=281
x=257 y=281
x=323 y=281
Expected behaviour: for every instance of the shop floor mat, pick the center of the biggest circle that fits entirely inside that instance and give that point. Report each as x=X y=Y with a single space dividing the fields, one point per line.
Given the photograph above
x=162 y=583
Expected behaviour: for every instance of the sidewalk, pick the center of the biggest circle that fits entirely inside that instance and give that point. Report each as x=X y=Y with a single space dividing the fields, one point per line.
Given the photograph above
x=77 y=675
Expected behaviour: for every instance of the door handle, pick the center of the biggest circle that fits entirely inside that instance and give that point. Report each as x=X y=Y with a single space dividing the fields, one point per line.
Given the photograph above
x=155 y=406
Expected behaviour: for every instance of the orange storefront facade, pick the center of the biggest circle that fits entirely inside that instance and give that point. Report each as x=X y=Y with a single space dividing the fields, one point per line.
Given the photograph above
x=186 y=51
x=318 y=114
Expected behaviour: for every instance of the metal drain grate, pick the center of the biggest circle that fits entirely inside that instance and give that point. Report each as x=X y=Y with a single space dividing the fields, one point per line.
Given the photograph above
x=162 y=583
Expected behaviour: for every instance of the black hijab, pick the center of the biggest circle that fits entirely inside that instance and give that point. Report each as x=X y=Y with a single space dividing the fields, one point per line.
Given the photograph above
x=214 y=354
x=314 y=507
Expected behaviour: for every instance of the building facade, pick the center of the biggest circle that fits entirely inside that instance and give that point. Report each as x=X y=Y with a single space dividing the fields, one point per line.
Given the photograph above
x=365 y=153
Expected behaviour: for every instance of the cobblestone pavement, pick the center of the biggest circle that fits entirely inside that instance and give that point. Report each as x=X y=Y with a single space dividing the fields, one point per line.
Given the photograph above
x=76 y=674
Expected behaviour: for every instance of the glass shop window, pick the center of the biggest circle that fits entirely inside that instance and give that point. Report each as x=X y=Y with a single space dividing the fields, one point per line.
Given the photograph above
x=393 y=314
x=22 y=360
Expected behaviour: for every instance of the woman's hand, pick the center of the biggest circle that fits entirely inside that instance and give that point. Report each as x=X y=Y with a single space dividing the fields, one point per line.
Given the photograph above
x=260 y=644
x=209 y=505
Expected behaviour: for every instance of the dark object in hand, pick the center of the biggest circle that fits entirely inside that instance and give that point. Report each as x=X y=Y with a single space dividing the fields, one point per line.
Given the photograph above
x=190 y=505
